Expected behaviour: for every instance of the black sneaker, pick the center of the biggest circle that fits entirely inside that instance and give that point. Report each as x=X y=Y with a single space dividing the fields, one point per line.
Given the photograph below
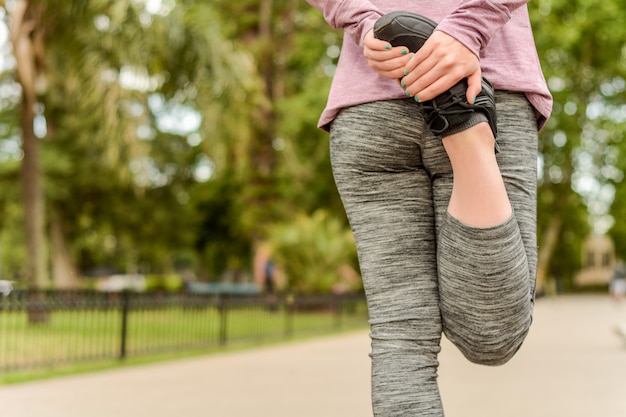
x=449 y=110
x=404 y=29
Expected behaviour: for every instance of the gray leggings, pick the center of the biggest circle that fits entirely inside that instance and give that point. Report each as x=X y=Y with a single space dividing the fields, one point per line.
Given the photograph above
x=425 y=272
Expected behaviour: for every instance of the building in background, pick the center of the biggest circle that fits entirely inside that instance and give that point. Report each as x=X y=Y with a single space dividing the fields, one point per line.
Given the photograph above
x=598 y=262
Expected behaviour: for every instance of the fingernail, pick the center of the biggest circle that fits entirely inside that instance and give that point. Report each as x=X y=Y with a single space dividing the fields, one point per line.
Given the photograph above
x=411 y=56
x=474 y=101
x=417 y=99
x=402 y=84
x=406 y=72
x=387 y=47
x=407 y=93
x=404 y=52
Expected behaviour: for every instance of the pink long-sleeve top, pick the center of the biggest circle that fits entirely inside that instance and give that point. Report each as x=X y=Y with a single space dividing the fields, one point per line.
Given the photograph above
x=497 y=31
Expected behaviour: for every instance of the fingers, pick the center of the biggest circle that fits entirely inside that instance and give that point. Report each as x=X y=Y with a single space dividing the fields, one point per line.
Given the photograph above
x=435 y=68
x=474 y=86
x=437 y=81
x=386 y=60
x=371 y=43
x=438 y=65
x=387 y=65
x=430 y=79
x=434 y=89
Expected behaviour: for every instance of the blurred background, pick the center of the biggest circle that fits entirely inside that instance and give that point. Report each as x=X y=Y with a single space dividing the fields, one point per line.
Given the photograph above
x=170 y=147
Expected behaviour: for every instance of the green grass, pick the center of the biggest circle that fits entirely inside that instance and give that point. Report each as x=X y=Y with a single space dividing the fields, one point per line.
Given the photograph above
x=79 y=341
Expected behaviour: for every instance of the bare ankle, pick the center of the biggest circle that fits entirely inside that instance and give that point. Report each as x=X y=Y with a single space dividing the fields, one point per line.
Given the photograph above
x=477 y=137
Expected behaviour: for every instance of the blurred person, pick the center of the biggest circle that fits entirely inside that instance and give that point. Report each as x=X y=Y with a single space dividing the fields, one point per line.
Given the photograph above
x=444 y=217
x=617 y=289
x=617 y=286
x=269 y=278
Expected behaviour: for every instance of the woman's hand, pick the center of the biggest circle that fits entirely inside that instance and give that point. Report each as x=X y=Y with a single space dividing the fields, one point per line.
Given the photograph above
x=438 y=65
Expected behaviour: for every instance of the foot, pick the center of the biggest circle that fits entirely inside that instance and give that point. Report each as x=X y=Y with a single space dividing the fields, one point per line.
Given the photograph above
x=447 y=113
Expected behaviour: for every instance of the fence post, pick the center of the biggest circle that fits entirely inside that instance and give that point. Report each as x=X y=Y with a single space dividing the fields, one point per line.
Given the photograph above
x=289 y=311
x=338 y=307
x=125 y=309
x=223 y=310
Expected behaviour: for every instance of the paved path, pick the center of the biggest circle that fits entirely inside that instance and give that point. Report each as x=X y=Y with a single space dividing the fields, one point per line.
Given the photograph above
x=573 y=364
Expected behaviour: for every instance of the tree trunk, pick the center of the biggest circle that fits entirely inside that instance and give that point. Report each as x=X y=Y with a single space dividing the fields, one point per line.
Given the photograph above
x=549 y=242
x=27 y=48
x=261 y=191
x=33 y=202
x=64 y=272
x=32 y=192
x=274 y=41
x=263 y=155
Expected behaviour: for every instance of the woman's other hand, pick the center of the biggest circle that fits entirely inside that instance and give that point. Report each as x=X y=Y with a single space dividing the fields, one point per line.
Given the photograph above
x=438 y=65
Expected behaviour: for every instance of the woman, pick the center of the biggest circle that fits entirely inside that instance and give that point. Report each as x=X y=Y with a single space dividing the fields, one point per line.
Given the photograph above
x=445 y=227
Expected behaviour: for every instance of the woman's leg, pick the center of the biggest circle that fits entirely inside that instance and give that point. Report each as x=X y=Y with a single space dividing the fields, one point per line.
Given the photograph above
x=387 y=195
x=487 y=269
x=479 y=197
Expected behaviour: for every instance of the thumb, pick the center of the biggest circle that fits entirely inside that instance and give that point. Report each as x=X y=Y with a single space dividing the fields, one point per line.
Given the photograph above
x=474 y=86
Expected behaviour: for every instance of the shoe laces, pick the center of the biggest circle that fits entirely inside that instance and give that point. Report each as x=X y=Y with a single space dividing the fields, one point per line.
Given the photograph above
x=438 y=109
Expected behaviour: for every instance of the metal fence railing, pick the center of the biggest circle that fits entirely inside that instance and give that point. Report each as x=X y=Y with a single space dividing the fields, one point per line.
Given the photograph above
x=54 y=328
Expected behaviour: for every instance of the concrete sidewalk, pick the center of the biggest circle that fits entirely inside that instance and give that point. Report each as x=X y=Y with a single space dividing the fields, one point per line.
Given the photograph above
x=573 y=364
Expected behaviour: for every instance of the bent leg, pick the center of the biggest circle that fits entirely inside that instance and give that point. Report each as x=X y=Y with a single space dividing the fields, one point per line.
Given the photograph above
x=487 y=274
x=387 y=196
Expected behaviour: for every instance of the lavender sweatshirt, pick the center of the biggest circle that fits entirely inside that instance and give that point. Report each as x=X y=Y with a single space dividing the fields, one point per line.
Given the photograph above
x=497 y=31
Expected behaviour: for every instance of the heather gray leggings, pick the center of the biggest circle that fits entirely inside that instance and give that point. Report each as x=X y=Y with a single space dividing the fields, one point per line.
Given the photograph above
x=425 y=272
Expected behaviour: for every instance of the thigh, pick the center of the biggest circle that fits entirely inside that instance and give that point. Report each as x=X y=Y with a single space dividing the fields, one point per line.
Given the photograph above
x=387 y=194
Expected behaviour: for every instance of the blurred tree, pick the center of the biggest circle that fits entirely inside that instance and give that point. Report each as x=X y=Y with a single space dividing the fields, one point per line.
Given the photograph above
x=296 y=52
x=220 y=239
x=12 y=247
x=290 y=172
x=316 y=253
x=138 y=97
x=27 y=38
x=114 y=122
x=202 y=88
x=581 y=44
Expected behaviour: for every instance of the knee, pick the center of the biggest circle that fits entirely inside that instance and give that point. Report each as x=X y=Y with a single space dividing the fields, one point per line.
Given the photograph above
x=490 y=348
x=491 y=356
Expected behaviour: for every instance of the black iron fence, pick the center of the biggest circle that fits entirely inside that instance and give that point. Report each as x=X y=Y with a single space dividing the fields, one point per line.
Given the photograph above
x=53 y=328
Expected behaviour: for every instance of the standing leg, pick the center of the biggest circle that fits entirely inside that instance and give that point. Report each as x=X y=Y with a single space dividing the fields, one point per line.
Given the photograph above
x=387 y=195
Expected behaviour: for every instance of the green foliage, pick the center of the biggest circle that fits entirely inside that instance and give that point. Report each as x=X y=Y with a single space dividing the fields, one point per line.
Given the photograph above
x=219 y=240
x=315 y=252
x=289 y=166
x=12 y=250
x=582 y=49
x=120 y=158
x=137 y=104
x=129 y=127
x=164 y=282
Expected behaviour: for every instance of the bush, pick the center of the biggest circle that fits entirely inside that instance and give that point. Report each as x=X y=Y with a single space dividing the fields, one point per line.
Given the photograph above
x=164 y=282
x=316 y=253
